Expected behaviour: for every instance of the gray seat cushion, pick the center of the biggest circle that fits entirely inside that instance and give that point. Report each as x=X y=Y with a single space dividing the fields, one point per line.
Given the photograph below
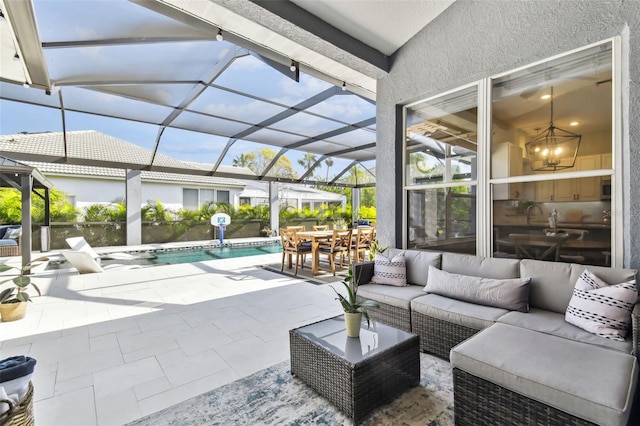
x=586 y=381
x=477 y=266
x=457 y=311
x=418 y=262
x=553 y=323
x=8 y=242
x=552 y=283
x=400 y=297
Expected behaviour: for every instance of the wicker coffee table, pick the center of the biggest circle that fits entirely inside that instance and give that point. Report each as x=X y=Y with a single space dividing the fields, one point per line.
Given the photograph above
x=355 y=374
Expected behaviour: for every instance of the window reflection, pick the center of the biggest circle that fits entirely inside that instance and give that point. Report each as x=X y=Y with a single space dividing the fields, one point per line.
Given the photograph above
x=441 y=149
x=580 y=86
x=442 y=219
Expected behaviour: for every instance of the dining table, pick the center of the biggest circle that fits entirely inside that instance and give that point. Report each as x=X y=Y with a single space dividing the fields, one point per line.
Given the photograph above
x=535 y=246
x=315 y=237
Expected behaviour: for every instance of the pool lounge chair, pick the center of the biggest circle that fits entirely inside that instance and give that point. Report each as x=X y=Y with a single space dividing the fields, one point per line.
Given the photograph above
x=80 y=244
x=86 y=264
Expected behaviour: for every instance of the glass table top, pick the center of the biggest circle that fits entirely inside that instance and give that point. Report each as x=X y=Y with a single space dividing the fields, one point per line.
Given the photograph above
x=374 y=339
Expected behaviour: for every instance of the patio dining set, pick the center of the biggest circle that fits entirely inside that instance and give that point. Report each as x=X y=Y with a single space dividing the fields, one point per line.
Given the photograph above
x=337 y=244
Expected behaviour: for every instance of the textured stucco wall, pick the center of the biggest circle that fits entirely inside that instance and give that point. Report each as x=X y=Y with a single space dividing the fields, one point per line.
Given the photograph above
x=477 y=39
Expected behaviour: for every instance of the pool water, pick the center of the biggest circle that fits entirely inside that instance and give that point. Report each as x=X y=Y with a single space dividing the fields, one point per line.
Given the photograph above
x=211 y=253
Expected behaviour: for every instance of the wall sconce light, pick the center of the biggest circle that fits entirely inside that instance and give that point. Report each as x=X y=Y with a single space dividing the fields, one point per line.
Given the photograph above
x=294 y=66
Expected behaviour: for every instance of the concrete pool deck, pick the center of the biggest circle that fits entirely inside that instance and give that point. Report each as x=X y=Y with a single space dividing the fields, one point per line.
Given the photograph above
x=115 y=346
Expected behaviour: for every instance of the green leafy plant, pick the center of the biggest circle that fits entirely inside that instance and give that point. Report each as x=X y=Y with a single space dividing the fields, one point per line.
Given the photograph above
x=350 y=303
x=340 y=222
x=374 y=248
x=18 y=292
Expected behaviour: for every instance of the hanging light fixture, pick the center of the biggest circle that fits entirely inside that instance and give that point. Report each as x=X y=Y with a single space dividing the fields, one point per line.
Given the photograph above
x=553 y=149
x=344 y=86
x=219 y=36
x=293 y=67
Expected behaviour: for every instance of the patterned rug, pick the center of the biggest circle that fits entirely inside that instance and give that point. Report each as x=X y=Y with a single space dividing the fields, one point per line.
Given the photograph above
x=273 y=397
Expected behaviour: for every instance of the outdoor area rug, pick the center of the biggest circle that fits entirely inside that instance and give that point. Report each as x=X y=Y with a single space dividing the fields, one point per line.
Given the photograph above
x=273 y=397
x=324 y=275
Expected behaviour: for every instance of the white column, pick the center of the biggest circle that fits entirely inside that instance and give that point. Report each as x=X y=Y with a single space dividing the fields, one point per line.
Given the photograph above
x=355 y=203
x=274 y=207
x=134 y=205
x=27 y=186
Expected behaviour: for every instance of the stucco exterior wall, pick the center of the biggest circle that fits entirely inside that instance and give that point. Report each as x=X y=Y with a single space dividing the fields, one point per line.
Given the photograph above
x=472 y=40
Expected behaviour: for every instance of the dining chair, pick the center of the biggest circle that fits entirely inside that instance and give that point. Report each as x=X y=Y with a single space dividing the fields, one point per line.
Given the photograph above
x=293 y=245
x=572 y=256
x=340 y=246
x=361 y=243
x=320 y=227
x=537 y=246
x=299 y=228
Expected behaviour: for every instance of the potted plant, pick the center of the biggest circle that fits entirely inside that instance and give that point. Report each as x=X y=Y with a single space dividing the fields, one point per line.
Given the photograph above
x=340 y=223
x=353 y=310
x=13 y=300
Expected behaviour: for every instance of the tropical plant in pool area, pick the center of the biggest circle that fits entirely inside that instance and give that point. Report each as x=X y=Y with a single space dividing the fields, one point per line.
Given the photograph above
x=18 y=291
x=350 y=304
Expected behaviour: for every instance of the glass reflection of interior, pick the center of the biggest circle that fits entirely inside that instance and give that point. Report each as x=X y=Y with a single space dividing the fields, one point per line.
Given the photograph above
x=441 y=149
x=534 y=114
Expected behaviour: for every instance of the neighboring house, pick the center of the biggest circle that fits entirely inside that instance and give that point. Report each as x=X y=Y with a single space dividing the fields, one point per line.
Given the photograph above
x=298 y=196
x=89 y=184
x=86 y=185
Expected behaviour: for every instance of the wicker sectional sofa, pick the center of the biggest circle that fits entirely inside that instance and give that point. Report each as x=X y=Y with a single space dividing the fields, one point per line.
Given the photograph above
x=512 y=367
x=10 y=246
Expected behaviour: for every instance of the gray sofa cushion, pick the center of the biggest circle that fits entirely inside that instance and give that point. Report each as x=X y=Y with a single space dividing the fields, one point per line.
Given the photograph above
x=456 y=311
x=507 y=293
x=552 y=282
x=400 y=297
x=551 y=369
x=418 y=262
x=553 y=323
x=478 y=266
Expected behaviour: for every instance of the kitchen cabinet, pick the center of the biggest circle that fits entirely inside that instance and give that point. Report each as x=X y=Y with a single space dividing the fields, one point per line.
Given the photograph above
x=583 y=189
x=506 y=161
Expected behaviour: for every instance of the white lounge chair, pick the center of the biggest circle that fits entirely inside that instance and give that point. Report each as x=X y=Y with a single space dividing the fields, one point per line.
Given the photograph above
x=80 y=244
x=86 y=264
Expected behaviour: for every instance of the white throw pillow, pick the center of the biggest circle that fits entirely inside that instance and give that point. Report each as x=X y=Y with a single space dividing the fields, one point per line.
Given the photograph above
x=390 y=271
x=600 y=308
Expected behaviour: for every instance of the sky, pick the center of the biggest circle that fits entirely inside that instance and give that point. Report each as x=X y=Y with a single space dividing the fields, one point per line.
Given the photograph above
x=246 y=78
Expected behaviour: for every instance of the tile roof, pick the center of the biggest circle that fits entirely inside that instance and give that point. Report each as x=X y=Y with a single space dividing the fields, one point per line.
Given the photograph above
x=90 y=150
x=75 y=170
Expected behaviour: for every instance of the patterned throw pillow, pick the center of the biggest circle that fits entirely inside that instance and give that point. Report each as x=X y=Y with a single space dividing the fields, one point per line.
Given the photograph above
x=390 y=271
x=600 y=308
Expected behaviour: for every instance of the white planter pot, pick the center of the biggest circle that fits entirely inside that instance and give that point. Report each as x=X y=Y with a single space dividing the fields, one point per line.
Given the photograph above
x=353 y=322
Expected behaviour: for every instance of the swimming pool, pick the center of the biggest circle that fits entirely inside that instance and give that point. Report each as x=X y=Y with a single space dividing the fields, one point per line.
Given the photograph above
x=199 y=254
x=176 y=255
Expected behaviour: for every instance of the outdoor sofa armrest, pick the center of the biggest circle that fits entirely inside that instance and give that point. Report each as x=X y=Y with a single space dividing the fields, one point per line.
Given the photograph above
x=363 y=272
x=635 y=329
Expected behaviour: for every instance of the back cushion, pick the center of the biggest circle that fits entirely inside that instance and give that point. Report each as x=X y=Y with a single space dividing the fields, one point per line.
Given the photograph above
x=488 y=267
x=552 y=283
x=418 y=262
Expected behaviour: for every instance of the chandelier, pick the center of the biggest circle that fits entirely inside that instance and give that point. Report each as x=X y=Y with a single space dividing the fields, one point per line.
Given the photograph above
x=553 y=149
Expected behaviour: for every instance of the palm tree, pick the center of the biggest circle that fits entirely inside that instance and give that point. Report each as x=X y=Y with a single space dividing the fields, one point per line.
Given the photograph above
x=308 y=160
x=329 y=163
